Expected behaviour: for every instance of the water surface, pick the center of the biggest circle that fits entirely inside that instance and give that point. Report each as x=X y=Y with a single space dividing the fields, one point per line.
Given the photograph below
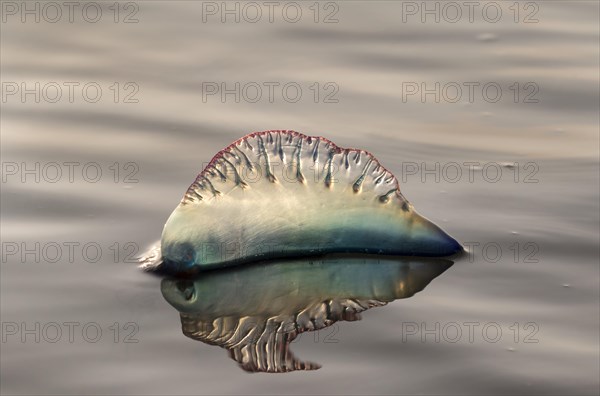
x=533 y=232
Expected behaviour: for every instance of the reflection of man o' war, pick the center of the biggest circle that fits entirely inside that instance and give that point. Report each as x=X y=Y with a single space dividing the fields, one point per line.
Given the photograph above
x=256 y=311
x=281 y=194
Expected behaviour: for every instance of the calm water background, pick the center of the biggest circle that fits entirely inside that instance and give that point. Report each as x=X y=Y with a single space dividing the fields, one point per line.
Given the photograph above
x=550 y=209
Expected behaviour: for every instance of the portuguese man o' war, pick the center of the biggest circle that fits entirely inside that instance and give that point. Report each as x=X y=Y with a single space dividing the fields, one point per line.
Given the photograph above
x=281 y=194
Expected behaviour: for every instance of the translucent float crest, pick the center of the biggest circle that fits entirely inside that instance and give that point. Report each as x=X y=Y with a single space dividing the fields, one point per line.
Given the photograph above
x=278 y=194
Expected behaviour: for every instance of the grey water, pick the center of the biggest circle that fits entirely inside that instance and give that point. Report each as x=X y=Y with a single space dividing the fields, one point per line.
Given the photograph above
x=511 y=171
